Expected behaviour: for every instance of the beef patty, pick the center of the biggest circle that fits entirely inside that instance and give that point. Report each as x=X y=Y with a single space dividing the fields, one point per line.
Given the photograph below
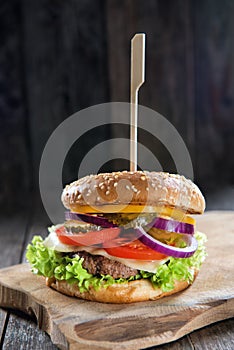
x=100 y=265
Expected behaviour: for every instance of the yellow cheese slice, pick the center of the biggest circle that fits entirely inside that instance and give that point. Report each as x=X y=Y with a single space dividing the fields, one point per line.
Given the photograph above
x=165 y=212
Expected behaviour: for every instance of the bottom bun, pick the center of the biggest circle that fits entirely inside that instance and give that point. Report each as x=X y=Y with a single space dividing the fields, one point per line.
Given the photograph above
x=130 y=292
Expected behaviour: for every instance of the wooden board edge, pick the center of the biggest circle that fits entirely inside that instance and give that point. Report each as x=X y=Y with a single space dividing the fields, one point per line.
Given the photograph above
x=85 y=331
x=29 y=305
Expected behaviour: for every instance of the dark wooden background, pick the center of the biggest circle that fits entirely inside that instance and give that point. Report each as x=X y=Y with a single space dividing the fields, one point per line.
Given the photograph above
x=57 y=57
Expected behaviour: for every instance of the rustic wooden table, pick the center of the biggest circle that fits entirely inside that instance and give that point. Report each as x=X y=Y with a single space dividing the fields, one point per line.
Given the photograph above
x=17 y=331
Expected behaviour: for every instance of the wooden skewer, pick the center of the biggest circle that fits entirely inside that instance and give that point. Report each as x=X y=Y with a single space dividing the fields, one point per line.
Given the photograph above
x=137 y=79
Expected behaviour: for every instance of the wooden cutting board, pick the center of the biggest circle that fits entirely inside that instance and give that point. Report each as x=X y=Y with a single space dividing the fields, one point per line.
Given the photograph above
x=79 y=324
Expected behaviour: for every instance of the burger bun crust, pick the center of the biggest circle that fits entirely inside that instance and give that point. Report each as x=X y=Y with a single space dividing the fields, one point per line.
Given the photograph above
x=139 y=188
x=124 y=293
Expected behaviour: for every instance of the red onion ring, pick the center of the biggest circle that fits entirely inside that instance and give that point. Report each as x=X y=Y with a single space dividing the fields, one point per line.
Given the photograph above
x=166 y=249
x=90 y=219
x=172 y=226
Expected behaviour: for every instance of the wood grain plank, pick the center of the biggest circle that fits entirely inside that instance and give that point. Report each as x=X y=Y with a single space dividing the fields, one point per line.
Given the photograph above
x=14 y=152
x=217 y=337
x=222 y=199
x=18 y=325
x=37 y=225
x=12 y=235
x=3 y=321
x=214 y=89
x=65 y=59
x=119 y=33
x=44 y=72
x=181 y=344
x=21 y=335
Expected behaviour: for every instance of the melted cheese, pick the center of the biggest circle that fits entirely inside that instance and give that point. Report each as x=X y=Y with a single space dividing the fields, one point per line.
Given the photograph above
x=163 y=211
x=53 y=242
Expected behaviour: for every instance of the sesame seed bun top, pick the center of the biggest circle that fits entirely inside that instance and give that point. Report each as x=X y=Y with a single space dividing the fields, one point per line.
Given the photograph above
x=139 y=188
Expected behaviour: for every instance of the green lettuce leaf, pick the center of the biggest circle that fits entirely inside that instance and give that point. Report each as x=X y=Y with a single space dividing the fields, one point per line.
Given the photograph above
x=177 y=269
x=49 y=263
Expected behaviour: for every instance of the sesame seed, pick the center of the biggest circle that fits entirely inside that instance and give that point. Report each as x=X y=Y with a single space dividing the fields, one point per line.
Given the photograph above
x=116 y=177
x=107 y=192
x=143 y=178
x=127 y=187
x=102 y=187
x=147 y=188
x=101 y=184
x=134 y=189
x=115 y=184
x=98 y=199
x=79 y=197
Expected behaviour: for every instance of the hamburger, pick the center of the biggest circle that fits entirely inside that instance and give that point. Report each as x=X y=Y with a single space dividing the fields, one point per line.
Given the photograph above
x=127 y=237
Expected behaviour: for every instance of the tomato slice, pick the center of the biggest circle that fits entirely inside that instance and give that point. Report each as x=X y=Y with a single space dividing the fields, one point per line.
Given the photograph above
x=89 y=238
x=134 y=250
